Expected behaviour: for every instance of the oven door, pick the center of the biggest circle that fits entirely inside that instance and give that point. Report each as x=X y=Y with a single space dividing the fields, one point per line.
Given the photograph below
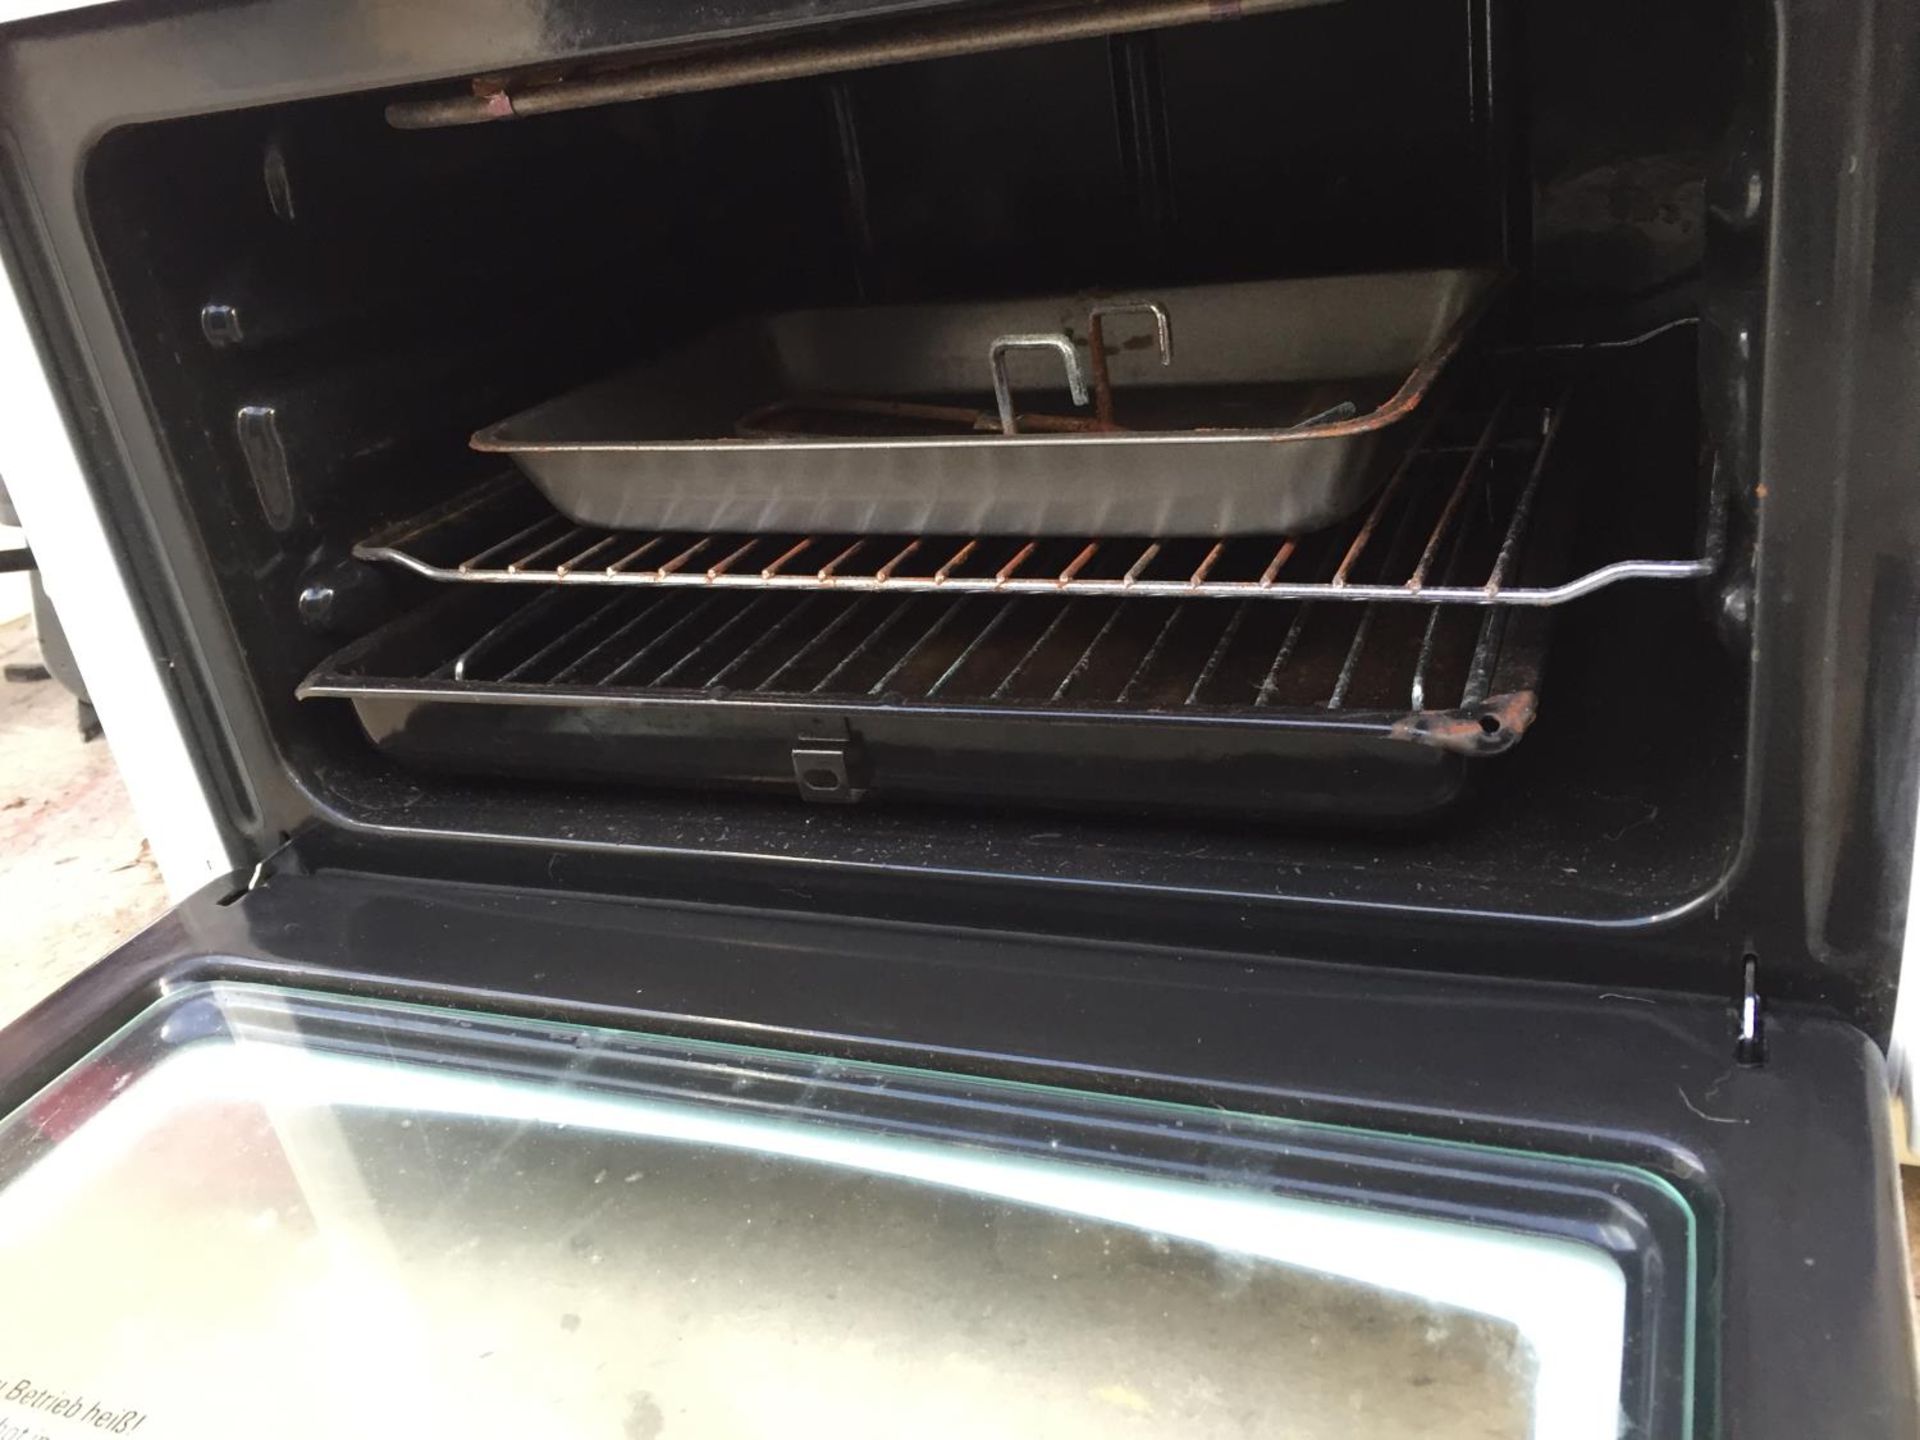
x=342 y=1154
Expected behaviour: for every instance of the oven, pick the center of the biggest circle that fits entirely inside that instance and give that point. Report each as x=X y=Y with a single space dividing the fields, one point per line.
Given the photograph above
x=1107 y=715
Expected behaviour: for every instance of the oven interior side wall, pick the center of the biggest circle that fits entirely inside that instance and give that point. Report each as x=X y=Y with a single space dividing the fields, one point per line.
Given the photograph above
x=323 y=308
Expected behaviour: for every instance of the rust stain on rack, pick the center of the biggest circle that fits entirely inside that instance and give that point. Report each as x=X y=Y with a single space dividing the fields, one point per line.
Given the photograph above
x=678 y=562
x=1483 y=729
x=1140 y=565
x=1473 y=470
x=784 y=556
x=714 y=572
x=1078 y=563
x=1280 y=558
x=830 y=571
x=1006 y=571
x=885 y=572
x=619 y=567
x=959 y=557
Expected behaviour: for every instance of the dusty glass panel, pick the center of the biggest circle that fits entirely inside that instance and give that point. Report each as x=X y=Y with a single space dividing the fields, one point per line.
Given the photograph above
x=255 y=1213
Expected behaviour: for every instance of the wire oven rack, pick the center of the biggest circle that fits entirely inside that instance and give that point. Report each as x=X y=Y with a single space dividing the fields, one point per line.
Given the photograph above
x=1447 y=528
x=969 y=649
x=1353 y=714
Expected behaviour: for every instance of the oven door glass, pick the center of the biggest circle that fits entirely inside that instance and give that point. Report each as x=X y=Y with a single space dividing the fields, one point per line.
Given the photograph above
x=255 y=1211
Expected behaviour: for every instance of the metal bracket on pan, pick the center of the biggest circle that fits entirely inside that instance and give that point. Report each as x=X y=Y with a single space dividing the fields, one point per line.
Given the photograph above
x=1003 y=391
x=1097 y=348
x=829 y=763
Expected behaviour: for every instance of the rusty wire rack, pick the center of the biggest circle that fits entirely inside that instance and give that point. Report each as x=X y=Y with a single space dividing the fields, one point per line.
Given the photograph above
x=1447 y=528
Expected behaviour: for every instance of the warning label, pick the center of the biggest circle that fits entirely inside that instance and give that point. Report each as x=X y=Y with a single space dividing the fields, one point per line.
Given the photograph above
x=26 y=1407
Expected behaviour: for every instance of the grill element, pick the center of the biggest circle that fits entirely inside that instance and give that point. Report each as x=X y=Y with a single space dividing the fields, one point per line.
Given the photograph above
x=496 y=97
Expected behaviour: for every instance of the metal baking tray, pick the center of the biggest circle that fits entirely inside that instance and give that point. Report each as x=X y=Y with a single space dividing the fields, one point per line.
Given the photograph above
x=1266 y=407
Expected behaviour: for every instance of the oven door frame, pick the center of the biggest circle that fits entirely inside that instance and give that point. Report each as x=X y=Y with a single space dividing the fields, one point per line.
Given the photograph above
x=1788 y=1166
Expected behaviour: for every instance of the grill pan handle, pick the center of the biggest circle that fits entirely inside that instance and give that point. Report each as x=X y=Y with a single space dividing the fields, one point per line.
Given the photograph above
x=1097 y=348
x=1003 y=391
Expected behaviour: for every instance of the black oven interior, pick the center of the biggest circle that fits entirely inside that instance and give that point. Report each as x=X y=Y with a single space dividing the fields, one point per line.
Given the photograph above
x=323 y=307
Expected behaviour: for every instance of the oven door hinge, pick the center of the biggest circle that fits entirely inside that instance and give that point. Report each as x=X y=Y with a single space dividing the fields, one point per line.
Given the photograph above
x=281 y=861
x=829 y=762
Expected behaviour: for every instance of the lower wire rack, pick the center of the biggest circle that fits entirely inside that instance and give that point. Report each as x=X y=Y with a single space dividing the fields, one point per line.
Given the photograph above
x=1084 y=654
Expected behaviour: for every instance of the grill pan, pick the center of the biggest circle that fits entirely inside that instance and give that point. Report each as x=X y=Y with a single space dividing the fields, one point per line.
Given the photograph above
x=1259 y=709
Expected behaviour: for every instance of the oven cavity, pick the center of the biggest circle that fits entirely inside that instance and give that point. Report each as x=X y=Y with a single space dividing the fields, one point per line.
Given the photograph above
x=908 y=439
x=1348 y=673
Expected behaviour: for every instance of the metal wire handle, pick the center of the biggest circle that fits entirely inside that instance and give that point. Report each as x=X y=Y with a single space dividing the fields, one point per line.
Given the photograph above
x=1003 y=391
x=1097 y=347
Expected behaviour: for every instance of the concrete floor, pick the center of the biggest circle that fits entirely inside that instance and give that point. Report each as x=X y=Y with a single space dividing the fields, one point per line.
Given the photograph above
x=75 y=874
x=1910 y=1184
